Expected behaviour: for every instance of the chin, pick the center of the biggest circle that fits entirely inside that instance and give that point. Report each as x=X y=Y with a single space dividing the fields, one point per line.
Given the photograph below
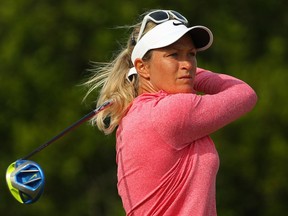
x=187 y=89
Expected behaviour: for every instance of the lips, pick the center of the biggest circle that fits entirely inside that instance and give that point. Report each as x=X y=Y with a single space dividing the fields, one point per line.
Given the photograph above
x=185 y=77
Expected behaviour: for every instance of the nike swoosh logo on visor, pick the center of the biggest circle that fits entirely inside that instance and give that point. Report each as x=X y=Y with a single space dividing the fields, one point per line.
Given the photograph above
x=178 y=23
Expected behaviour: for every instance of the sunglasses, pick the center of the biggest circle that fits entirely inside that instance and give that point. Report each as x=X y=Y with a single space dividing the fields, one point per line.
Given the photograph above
x=160 y=16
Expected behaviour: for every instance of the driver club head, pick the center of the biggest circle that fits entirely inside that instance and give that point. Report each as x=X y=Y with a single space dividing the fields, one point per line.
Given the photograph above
x=25 y=180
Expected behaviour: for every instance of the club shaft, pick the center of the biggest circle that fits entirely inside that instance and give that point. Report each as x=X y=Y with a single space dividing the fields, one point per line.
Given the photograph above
x=85 y=118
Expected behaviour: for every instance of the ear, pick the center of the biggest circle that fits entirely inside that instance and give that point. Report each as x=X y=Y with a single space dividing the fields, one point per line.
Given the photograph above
x=142 y=68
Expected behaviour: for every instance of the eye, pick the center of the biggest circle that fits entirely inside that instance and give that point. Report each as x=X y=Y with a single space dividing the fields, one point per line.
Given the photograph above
x=192 y=53
x=173 y=54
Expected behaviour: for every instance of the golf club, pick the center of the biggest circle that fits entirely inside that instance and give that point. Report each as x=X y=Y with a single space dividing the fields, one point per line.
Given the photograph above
x=25 y=178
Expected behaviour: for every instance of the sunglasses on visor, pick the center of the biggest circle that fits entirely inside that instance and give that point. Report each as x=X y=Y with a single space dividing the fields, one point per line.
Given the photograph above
x=160 y=16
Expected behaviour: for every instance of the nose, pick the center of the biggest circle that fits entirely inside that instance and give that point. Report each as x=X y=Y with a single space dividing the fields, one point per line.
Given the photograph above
x=186 y=64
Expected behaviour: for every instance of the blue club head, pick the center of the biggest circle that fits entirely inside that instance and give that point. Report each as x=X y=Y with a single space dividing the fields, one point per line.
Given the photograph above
x=25 y=181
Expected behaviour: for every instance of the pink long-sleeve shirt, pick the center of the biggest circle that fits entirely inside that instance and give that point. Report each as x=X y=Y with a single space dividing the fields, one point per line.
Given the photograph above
x=167 y=163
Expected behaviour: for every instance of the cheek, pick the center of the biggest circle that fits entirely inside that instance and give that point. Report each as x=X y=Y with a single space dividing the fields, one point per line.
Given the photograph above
x=164 y=80
x=163 y=71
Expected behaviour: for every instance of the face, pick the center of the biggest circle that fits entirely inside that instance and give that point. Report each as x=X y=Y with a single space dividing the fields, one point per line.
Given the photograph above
x=172 y=68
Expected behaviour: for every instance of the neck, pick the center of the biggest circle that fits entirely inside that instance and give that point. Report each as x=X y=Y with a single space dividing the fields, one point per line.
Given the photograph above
x=145 y=86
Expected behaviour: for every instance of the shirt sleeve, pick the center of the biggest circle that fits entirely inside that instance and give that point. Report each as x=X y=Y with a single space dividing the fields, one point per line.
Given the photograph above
x=181 y=119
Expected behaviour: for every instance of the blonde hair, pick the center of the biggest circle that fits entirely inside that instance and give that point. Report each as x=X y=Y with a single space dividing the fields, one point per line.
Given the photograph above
x=112 y=78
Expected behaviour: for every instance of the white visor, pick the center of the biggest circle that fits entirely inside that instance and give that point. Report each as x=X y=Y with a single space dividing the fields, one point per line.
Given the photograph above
x=169 y=32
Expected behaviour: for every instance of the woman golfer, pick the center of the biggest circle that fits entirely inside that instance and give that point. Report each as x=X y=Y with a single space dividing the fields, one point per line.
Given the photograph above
x=167 y=163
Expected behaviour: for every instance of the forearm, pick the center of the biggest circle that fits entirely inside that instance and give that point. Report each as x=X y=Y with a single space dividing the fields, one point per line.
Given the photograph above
x=209 y=82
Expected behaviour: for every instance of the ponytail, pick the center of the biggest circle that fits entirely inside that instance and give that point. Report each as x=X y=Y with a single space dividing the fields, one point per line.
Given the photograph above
x=114 y=85
x=112 y=79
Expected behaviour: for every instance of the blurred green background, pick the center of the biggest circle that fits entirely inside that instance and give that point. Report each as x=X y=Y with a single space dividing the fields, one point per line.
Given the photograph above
x=46 y=47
